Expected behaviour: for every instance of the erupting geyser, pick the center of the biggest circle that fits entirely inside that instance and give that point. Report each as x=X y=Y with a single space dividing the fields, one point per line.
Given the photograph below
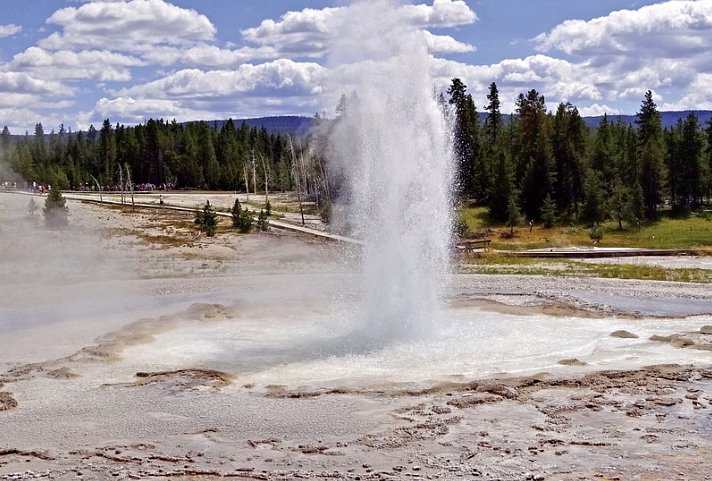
x=393 y=147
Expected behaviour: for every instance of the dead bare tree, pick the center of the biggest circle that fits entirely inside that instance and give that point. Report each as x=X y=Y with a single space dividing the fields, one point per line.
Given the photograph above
x=296 y=174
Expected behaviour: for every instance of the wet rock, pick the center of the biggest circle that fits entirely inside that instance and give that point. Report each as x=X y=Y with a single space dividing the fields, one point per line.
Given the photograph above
x=185 y=379
x=441 y=409
x=62 y=373
x=473 y=400
x=665 y=401
x=623 y=334
x=660 y=338
x=310 y=449
x=7 y=402
x=691 y=340
x=679 y=341
x=572 y=362
x=498 y=389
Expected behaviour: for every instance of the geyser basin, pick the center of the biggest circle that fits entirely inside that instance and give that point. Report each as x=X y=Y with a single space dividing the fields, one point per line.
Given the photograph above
x=314 y=346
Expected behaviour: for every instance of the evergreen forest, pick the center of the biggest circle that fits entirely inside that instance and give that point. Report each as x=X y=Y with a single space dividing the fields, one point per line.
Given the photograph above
x=535 y=164
x=154 y=155
x=550 y=167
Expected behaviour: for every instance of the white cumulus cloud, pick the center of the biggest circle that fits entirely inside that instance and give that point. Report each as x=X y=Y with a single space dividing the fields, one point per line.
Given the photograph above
x=20 y=82
x=309 y=32
x=446 y=44
x=133 y=26
x=131 y=110
x=669 y=29
x=442 y=13
x=69 y=65
x=9 y=30
x=595 y=110
x=698 y=95
x=282 y=76
x=206 y=55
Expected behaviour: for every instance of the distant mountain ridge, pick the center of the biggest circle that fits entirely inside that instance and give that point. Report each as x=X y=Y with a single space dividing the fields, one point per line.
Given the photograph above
x=669 y=119
x=282 y=124
x=296 y=125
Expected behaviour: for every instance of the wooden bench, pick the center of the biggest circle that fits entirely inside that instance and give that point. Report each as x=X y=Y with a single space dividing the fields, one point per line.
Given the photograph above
x=468 y=246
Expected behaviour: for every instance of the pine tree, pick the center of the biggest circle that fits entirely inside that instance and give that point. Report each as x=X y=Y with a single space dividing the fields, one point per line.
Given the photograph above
x=548 y=212
x=534 y=162
x=206 y=153
x=514 y=215
x=601 y=157
x=262 y=222
x=690 y=168
x=569 y=150
x=207 y=219
x=467 y=148
x=503 y=188
x=594 y=205
x=493 y=122
x=493 y=148
x=55 y=209
x=708 y=164
x=241 y=218
x=651 y=155
x=619 y=203
x=107 y=152
x=5 y=138
x=652 y=178
x=637 y=204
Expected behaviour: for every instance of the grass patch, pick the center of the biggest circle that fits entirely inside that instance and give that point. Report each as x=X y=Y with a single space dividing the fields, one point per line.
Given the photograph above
x=476 y=218
x=666 y=233
x=162 y=240
x=494 y=264
x=645 y=272
x=692 y=232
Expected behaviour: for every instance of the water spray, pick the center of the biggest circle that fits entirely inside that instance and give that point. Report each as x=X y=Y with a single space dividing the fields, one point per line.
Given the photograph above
x=393 y=146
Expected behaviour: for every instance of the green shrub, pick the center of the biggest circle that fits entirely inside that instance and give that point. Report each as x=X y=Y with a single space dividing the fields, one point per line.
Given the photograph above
x=262 y=222
x=207 y=219
x=55 y=209
x=596 y=234
x=241 y=218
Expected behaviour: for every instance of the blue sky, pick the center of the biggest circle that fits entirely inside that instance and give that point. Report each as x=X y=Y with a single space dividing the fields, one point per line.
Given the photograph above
x=77 y=62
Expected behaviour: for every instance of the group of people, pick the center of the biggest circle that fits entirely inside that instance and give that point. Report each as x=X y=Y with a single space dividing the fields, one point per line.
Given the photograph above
x=38 y=188
x=142 y=187
x=33 y=187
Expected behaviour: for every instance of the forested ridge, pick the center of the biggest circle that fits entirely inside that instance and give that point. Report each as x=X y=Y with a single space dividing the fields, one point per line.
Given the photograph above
x=193 y=155
x=535 y=164
x=549 y=166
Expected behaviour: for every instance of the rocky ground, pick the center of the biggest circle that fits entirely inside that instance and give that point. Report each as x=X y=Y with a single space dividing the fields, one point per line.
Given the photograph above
x=74 y=406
